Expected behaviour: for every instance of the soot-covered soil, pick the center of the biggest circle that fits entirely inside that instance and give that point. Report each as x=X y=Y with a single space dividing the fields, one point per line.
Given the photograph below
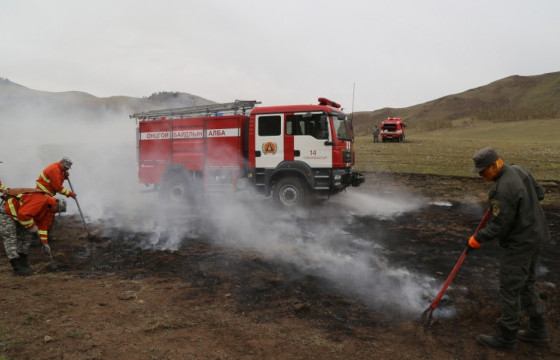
x=104 y=297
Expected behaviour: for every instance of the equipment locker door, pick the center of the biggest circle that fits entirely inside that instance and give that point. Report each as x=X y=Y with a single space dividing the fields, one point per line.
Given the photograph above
x=154 y=149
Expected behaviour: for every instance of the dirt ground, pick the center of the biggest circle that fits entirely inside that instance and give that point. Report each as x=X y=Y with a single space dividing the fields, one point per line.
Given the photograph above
x=106 y=298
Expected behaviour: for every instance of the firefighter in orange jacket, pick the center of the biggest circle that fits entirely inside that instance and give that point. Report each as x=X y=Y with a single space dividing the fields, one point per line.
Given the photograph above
x=52 y=177
x=27 y=216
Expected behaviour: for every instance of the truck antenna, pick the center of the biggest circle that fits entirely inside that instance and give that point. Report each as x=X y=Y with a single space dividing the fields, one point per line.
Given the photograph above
x=353 y=91
x=352 y=116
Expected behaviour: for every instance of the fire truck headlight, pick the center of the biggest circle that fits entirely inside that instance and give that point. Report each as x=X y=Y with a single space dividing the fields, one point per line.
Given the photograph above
x=337 y=179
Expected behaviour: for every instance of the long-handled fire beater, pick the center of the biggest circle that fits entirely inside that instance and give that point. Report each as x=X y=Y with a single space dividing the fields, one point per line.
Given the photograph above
x=426 y=319
x=79 y=208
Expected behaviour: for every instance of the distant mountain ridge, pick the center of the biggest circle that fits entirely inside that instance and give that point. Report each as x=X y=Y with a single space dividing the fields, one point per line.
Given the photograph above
x=510 y=99
x=15 y=99
x=513 y=98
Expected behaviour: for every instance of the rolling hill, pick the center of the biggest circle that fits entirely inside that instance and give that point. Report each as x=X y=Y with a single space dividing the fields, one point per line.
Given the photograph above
x=16 y=99
x=510 y=99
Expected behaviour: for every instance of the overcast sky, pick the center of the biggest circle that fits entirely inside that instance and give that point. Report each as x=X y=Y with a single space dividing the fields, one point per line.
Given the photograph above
x=393 y=53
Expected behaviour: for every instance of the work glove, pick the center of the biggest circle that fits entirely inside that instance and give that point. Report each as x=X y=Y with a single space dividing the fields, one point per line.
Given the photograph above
x=34 y=230
x=72 y=194
x=473 y=243
x=47 y=250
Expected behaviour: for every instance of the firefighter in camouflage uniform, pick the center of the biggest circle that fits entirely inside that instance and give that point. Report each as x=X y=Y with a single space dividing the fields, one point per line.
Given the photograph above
x=519 y=224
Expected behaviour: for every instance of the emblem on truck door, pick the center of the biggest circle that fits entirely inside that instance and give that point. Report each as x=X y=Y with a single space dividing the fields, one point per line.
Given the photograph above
x=269 y=148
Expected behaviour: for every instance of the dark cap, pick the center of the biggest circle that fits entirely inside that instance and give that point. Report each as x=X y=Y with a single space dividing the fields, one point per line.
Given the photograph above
x=484 y=158
x=66 y=162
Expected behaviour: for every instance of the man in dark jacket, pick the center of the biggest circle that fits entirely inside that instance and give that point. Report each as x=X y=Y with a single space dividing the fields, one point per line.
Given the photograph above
x=519 y=224
x=376 y=132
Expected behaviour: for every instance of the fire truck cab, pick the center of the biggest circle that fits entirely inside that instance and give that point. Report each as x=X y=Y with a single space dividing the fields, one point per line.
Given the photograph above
x=392 y=129
x=292 y=152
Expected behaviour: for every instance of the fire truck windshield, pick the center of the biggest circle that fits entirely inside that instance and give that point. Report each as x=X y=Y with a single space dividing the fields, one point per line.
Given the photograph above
x=341 y=126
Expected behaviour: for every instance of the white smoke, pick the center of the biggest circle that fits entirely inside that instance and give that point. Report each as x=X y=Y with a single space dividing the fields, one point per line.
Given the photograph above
x=364 y=203
x=101 y=146
x=317 y=241
x=104 y=175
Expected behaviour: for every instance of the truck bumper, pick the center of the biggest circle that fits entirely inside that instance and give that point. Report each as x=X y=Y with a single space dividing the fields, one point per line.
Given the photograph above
x=346 y=177
x=354 y=179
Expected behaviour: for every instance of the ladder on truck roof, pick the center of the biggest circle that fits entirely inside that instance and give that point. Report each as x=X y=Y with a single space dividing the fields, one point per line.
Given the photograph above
x=199 y=110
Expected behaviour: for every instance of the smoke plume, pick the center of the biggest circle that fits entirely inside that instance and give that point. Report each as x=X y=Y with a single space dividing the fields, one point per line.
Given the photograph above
x=317 y=241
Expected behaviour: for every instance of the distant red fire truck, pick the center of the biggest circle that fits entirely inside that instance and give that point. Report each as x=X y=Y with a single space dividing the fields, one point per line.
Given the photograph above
x=294 y=153
x=392 y=129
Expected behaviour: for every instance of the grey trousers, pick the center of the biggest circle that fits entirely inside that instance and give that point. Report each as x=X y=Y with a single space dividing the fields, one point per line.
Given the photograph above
x=17 y=238
x=518 y=291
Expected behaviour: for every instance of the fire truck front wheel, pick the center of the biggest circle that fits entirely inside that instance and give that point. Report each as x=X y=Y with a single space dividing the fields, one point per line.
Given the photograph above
x=290 y=192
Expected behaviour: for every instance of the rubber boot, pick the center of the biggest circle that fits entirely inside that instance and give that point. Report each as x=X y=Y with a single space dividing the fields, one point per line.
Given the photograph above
x=15 y=264
x=24 y=262
x=19 y=268
x=536 y=334
x=504 y=340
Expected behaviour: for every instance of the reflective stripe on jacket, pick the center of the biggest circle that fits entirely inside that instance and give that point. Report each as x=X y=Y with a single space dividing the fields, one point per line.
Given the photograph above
x=32 y=209
x=3 y=187
x=51 y=179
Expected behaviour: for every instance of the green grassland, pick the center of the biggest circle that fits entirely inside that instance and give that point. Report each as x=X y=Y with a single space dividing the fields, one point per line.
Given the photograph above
x=533 y=144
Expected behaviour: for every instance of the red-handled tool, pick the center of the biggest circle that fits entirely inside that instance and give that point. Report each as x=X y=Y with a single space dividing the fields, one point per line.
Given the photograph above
x=426 y=318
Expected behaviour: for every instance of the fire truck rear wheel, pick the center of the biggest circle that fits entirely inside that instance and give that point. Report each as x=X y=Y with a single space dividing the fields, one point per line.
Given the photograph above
x=175 y=189
x=290 y=192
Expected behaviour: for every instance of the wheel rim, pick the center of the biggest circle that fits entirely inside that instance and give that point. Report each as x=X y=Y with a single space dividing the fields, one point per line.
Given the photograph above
x=177 y=193
x=289 y=195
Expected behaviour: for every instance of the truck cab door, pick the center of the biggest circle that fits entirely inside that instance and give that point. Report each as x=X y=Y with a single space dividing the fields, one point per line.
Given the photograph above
x=269 y=140
x=310 y=133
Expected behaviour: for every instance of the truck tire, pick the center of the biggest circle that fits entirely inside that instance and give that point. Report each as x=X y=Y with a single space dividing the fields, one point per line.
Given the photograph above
x=290 y=192
x=176 y=189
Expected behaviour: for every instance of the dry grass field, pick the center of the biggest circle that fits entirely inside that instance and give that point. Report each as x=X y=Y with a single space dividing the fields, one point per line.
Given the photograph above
x=532 y=144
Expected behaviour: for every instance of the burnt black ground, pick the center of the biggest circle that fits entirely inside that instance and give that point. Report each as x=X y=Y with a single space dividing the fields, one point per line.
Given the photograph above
x=258 y=306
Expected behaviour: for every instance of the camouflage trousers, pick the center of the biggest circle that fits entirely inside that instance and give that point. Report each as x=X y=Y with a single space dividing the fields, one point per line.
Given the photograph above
x=17 y=239
x=518 y=291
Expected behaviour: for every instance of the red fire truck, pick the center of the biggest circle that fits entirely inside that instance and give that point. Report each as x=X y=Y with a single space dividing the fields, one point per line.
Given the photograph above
x=392 y=129
x=294 y=153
